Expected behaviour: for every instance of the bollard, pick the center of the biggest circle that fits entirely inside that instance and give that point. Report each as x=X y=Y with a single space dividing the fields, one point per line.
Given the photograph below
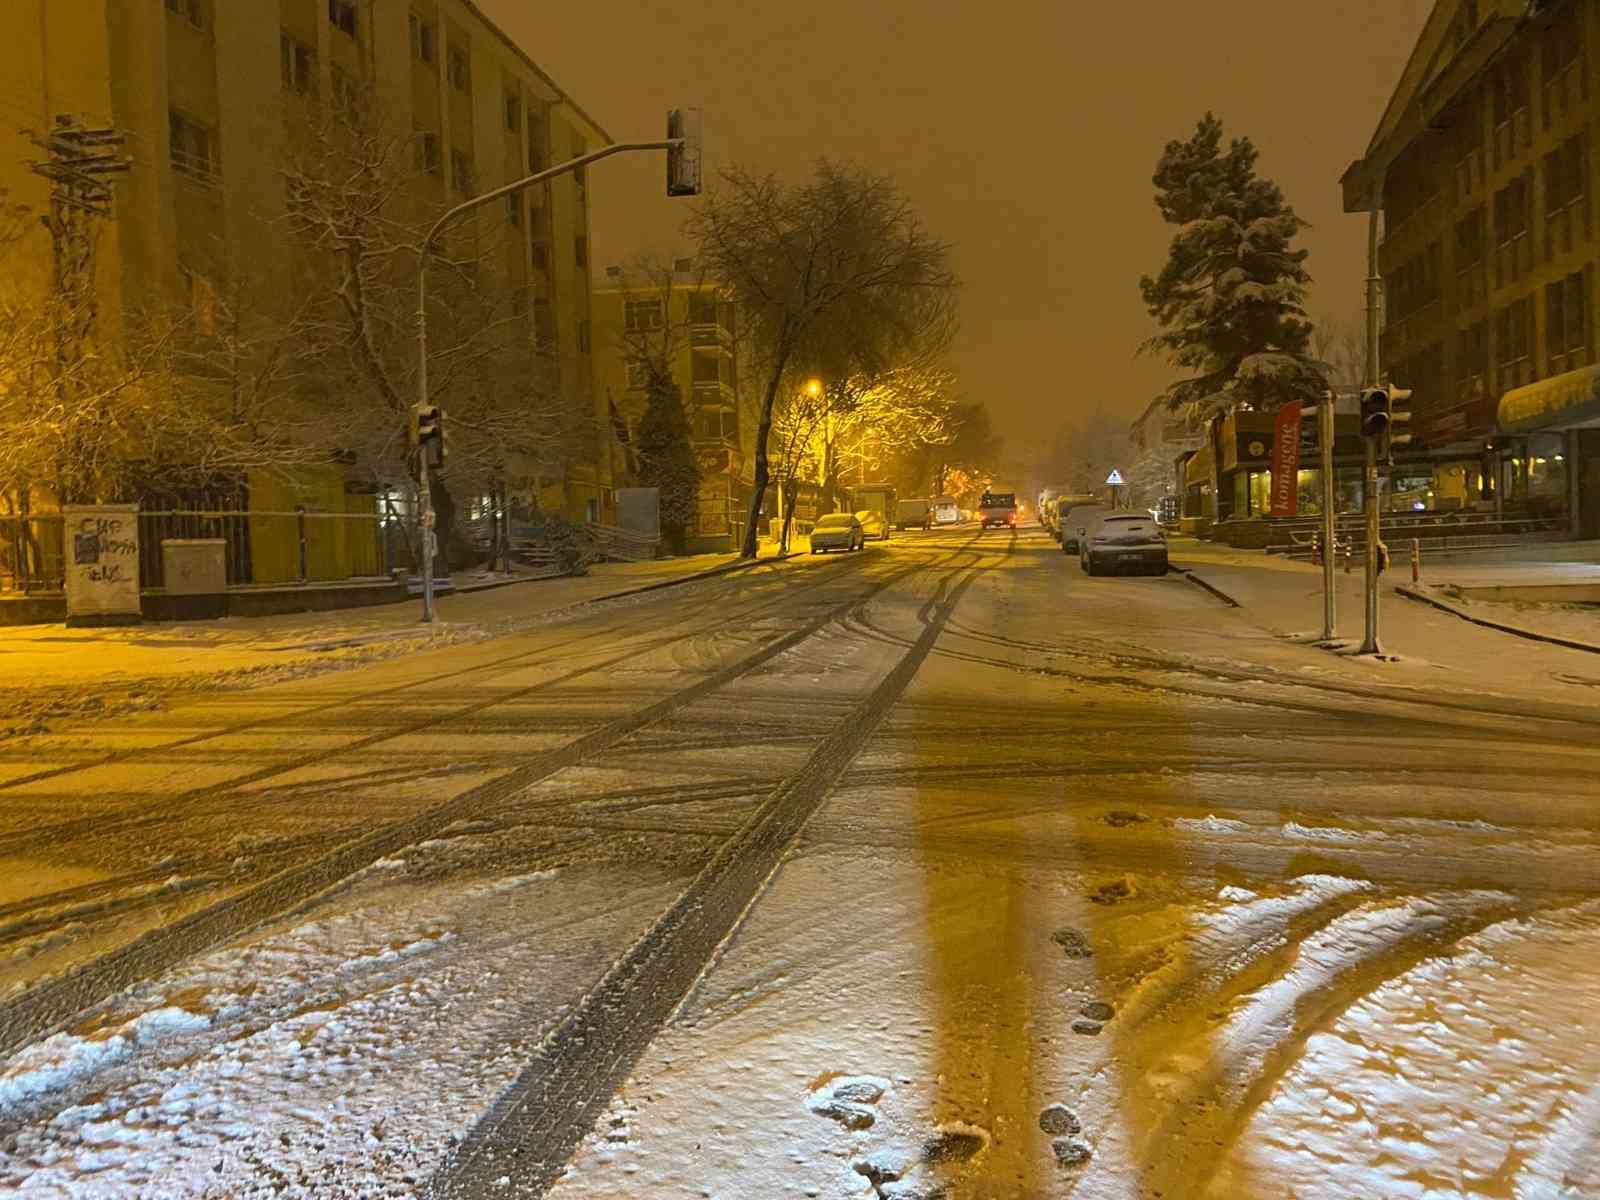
x=1416 y=560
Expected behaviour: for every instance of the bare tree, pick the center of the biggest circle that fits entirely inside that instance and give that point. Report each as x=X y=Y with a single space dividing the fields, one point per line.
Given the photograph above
x=837 y=269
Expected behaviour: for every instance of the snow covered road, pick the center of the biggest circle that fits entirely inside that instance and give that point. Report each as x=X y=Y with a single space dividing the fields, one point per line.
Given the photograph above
x=938 y=870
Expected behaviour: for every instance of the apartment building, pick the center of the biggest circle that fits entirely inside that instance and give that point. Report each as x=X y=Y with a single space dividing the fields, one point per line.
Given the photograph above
x=210 y=95
x=687 y=321
x=1485 y=168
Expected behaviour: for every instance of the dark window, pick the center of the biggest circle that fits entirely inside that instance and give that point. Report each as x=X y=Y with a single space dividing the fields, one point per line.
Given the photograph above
x=1469 y=239
x=192 y=146
x=1509 y=89
x=1561 y=44
x=538 y=147
x=192 y=11
x=424 y=46
x=427 y=152
x=513 y=114
x=642 y=314
x=458 y=70
x=1472 y=359
x=1511 y=211
x=342 y=13
x=638 y=374
x=461 y=172
x=539 y=254
x=514 y=209
x=1566 y=325
x=298 y=65
x=1514 y=340
x=583 y=337
x=1565 y=171
x=580 y=250
x=703 y=308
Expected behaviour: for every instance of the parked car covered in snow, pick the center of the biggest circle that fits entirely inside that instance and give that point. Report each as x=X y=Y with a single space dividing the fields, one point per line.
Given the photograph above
x=1124 y=541
x=873 y=525
x=837 y=531
x=1074 y=521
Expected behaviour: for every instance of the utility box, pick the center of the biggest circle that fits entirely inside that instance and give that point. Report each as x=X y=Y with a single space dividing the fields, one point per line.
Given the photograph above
x=194 y=566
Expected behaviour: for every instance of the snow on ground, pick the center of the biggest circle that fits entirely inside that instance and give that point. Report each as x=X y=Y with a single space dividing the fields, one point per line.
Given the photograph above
x=338 y=1057
x=1470 y=1075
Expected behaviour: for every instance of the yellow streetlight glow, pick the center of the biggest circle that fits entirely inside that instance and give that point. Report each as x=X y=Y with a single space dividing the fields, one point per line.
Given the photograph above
x=814 y=387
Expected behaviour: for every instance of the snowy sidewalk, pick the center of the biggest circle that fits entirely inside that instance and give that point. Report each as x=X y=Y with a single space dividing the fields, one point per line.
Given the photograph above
x=1285 y=597
x=50 y=671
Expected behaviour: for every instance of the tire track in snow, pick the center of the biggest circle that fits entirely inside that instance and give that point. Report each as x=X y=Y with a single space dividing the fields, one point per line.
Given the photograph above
x=47 y=1005
x=522 y=1146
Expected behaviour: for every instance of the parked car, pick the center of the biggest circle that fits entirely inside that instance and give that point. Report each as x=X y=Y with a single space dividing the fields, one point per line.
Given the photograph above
x=913 y=514
x=946 y=511
x=873 y=525
x=1123 y=541
x=837 y=531
x=1074 y=521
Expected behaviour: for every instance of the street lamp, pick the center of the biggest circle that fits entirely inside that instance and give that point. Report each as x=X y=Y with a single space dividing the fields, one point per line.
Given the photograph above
x=682 y=144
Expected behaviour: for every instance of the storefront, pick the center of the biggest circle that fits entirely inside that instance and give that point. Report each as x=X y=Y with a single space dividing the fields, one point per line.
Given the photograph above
x=1546 y=458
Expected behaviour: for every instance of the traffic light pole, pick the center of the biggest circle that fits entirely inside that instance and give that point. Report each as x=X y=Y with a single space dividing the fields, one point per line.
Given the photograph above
x=1330 y=521
x=1369 y=480
x=425 y=499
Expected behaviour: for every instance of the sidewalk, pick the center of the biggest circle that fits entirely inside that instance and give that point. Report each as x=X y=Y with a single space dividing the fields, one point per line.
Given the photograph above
x=1285 y=597
x=50 y=671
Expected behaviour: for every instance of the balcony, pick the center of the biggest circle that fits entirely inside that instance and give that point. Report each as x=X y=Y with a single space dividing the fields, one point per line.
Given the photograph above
x=711 y=336
x=712 y=393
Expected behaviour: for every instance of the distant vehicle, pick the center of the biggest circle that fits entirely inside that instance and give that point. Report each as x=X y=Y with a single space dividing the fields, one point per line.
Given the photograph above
x=998 y=510
x=837 y=531
x=1123 y=541
x=913 y=514
x=873 y=525
x=946 y=511
x=878 y=499
x=1075 y=519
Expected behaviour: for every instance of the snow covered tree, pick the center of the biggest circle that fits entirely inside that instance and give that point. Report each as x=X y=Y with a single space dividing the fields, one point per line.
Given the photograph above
x=1230 y=298
x=837 y=269
x=666 y=457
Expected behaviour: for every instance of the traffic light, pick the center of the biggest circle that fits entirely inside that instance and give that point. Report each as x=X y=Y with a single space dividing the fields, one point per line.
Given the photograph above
x=1375 y=412
x=427 y=431
x=1399 y=416
x=683 y=161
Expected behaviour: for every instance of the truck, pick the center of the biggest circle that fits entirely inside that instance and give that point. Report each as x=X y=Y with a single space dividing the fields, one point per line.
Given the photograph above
x=913 y=514
x=998 y=509
x=878 y=499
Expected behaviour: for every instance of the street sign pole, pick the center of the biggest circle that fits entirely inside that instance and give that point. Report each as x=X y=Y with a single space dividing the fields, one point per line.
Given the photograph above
x=1330 y=522
x=1369 y=496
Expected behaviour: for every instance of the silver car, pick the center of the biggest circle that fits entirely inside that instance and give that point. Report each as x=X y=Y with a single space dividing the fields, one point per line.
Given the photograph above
x=837 y=531
x=1074 y=521
x=1124 y=541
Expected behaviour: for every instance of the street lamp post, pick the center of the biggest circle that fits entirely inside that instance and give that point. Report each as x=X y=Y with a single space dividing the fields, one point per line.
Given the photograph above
x=677 y=184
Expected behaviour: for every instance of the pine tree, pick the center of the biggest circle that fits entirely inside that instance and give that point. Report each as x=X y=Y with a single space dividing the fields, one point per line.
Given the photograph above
x=666 y=457
x=1230 y=298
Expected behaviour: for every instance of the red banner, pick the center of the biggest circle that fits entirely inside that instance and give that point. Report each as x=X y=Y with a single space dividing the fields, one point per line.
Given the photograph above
x=1286 y=462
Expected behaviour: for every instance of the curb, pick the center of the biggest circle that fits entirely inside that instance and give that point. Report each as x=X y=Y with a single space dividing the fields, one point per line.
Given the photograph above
x=1188 y=573
x=1411 y=593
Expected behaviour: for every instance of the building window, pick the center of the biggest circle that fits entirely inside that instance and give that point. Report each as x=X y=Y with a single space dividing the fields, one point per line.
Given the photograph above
x=539 y=257
x=427 y=152
x=342 y=13
x=514 y=209
x=458 y=70
x=638 y=375
x=513 y=114
x=583 y=337
x=1514 y=342
x=1472 y=360
x=1561 y=44
x=1565 y=169
x=580 y=251
x=346 y=92
x=424 y=40
x=703 y=308
x=461 y=172
x=298 y=65
x=1509 y=89
x=640 y=315
x=1511 y=211
x=1566 y=324
x=192 y=146
x=538 y=150
x=192 y=11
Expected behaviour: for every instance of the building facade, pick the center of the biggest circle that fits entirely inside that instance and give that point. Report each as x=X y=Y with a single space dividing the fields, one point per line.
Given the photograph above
x=211 y=95
x=685 y=321
x=1485 y=172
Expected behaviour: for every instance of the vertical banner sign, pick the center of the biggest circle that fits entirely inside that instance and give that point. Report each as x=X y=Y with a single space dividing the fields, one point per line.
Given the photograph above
x=102 y=552
x=1286 y=462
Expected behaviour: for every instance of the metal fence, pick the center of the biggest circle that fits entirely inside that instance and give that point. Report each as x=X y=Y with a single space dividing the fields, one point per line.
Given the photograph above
x=261 y=548
x=266 y=548
x=32 y=553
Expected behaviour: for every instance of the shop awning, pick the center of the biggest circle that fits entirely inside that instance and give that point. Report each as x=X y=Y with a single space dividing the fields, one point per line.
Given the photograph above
x=1198 y=469
x=1564 y=402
